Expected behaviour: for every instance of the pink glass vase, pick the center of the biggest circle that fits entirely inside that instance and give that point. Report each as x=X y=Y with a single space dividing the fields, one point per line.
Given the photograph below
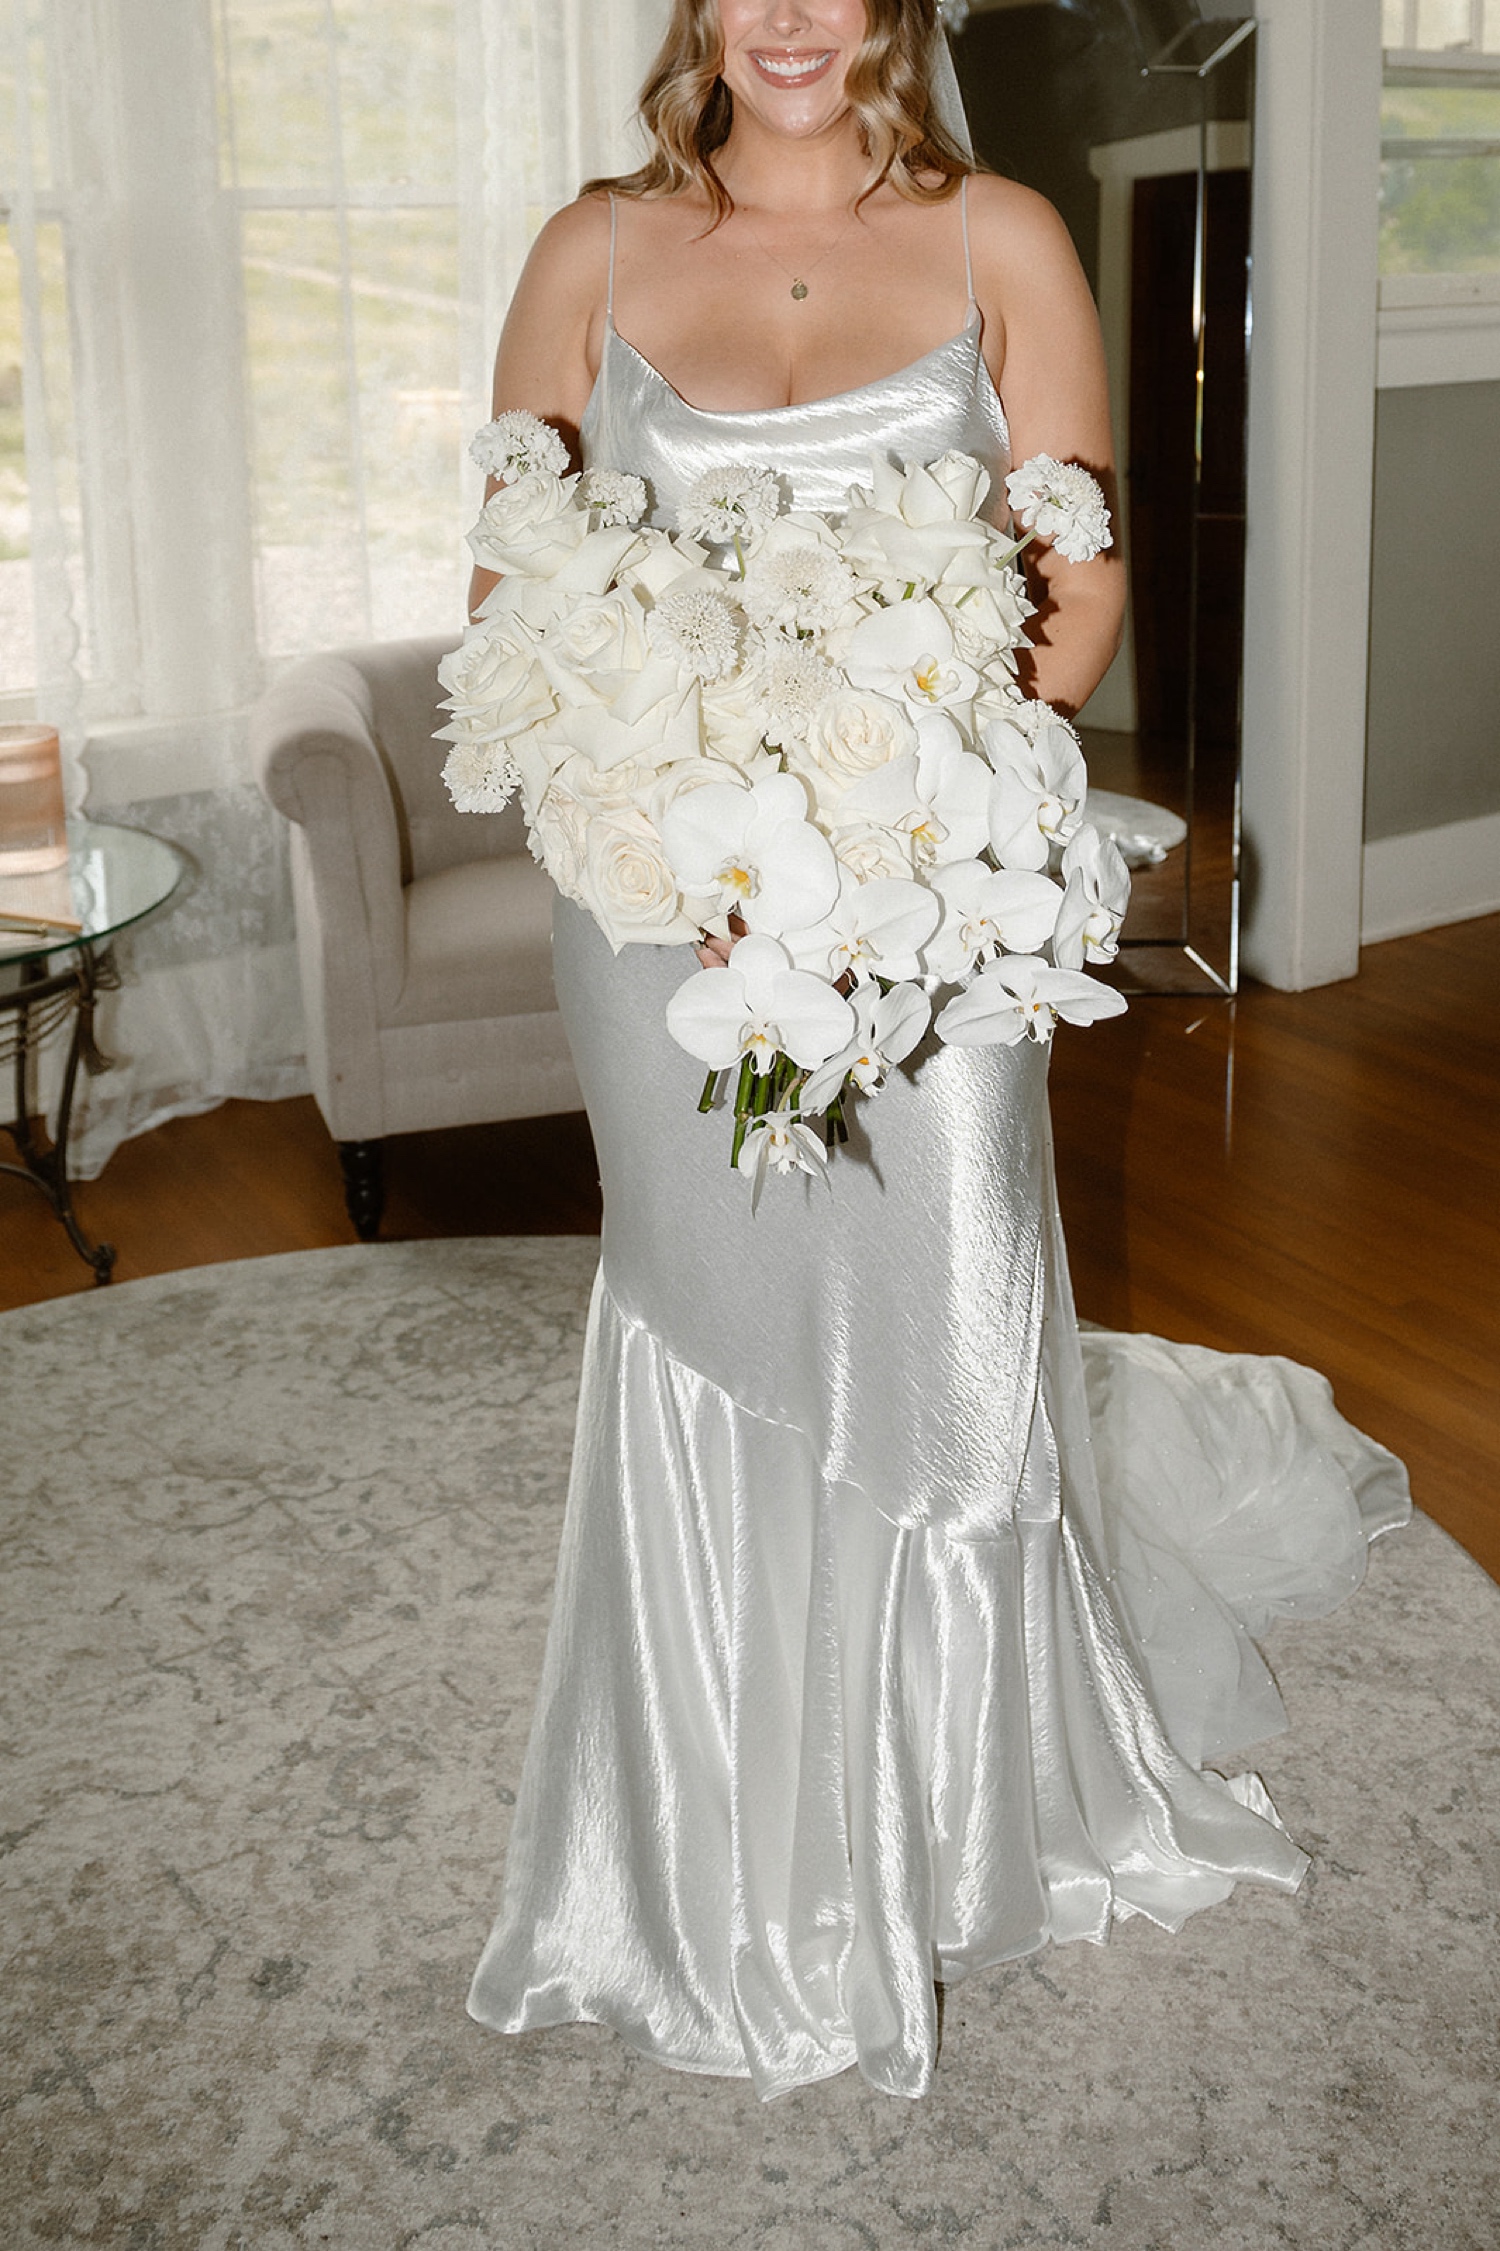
x=33 y=816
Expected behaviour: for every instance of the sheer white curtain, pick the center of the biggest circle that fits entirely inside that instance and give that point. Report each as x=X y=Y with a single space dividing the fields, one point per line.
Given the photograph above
x=258 y=253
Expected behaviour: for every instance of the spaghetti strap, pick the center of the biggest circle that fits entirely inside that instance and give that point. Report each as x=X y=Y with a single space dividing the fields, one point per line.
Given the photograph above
x=963 y=206
x=614 y=229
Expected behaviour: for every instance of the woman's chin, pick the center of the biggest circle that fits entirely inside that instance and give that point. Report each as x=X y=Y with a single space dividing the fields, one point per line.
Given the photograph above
x=793 y=118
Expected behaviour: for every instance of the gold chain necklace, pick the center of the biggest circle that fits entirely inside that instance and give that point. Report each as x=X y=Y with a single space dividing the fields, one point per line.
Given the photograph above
x=799 y=280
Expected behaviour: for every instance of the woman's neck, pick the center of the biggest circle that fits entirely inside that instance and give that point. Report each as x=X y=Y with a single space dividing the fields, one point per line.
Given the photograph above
x=769 y=173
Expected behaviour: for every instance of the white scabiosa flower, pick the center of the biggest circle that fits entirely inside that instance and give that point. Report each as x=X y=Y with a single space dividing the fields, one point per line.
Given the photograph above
x=794 y=681
x=516 y=443
x=698 y=631
x=481 y=776
x=800 y=590
x=612 y=497
x=1063 y=503
x=725 y=505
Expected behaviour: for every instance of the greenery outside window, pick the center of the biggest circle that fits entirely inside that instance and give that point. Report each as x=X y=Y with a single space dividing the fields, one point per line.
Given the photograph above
x=1440 y=141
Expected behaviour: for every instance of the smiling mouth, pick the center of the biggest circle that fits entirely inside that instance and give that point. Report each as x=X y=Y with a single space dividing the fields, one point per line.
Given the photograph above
x=792 y=70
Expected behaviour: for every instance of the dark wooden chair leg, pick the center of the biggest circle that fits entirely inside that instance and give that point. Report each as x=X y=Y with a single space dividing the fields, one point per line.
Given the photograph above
x=363 y=1167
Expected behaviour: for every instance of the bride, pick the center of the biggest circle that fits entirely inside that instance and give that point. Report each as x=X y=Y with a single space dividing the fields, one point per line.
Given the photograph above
x=896 y=1623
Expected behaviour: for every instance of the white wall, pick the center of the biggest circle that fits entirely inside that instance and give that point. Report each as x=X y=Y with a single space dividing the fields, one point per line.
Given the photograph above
x=1312 y=396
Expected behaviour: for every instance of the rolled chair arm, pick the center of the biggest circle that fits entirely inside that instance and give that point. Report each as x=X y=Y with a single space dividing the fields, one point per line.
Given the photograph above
x=314 y=752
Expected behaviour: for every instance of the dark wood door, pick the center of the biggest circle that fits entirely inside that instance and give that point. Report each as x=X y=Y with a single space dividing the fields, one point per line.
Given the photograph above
x=1161 y=493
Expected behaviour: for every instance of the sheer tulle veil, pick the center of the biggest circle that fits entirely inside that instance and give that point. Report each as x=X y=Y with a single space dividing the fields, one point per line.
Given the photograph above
x=946 y=98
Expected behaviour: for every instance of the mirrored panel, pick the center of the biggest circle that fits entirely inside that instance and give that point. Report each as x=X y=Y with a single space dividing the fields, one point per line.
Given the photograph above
x=1134 y=118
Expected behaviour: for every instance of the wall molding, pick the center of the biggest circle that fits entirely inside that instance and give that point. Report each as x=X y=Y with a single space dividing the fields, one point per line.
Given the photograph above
x=1433 y=876
x=1438 y=328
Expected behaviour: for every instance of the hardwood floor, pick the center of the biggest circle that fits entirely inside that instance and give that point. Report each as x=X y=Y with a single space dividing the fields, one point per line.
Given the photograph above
x=1310 y=1173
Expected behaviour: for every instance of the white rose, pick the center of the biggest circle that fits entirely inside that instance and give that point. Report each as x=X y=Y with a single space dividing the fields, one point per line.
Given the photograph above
x=559 y=839
x=657 y=563
x=602 y=637
x=531 y=526
x=734 y=719
x=870 y=853
x=605 y=789
x=682 y=779
x=628 y=885
x=963 y=482
x=495 y=685
x=988 y=620
x=852 y=732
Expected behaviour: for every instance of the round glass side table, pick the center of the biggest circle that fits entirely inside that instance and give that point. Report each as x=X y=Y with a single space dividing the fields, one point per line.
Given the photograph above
x=51 y=975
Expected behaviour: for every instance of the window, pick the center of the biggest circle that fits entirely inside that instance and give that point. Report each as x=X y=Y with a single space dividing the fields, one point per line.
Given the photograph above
x=1440 y=140
x=338 y=144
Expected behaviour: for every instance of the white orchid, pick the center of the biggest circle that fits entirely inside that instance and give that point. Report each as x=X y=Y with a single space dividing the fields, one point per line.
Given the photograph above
x=780 y=1142
x=1022 y=997
x=873 y=929
x=1096 y=896
x=1040 y=785
x=758 y=1006
x=937 y=805
x=988 y=912
x=1062 y=503
x=753 y=852
x=907 y=652
x=888 y=1026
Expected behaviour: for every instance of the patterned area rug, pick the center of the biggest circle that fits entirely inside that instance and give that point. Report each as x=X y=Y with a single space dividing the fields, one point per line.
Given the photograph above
x=278 y=1549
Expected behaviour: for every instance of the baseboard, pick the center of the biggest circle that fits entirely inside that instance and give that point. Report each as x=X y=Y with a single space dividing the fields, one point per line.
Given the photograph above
x=1436 y=875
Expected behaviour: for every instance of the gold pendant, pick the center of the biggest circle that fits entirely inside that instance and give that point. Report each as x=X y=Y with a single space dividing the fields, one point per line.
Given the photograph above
x=799 y=290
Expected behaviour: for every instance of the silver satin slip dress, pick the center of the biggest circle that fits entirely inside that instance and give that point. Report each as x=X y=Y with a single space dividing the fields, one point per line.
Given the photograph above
x=894 y=1620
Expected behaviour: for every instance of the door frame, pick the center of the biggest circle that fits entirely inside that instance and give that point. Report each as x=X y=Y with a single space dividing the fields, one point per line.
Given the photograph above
x=1314 y=236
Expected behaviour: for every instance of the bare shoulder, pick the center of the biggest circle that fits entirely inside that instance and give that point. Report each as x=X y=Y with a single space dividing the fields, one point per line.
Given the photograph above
x=569 y=257
x=1019 y=238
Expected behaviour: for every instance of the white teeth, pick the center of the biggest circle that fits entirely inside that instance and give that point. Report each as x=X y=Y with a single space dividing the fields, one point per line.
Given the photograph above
x=792 y=70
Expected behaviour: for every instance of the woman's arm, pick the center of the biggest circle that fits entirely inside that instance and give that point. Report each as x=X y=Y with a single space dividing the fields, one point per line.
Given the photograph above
x=549 y=348
x=1043 y=344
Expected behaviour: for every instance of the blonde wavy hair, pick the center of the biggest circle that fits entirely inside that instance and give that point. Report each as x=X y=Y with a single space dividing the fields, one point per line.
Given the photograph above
x=687 y=109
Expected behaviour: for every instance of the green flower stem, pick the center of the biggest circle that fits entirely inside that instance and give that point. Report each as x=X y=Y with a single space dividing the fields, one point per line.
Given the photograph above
x=743 y=1096
x=710 y=1089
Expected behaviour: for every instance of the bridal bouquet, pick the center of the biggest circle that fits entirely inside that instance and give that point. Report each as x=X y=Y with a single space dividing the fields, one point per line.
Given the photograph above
x=803 y=728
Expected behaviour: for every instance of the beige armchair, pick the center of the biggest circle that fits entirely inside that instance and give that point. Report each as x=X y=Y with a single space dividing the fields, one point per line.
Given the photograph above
x=424 y=934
